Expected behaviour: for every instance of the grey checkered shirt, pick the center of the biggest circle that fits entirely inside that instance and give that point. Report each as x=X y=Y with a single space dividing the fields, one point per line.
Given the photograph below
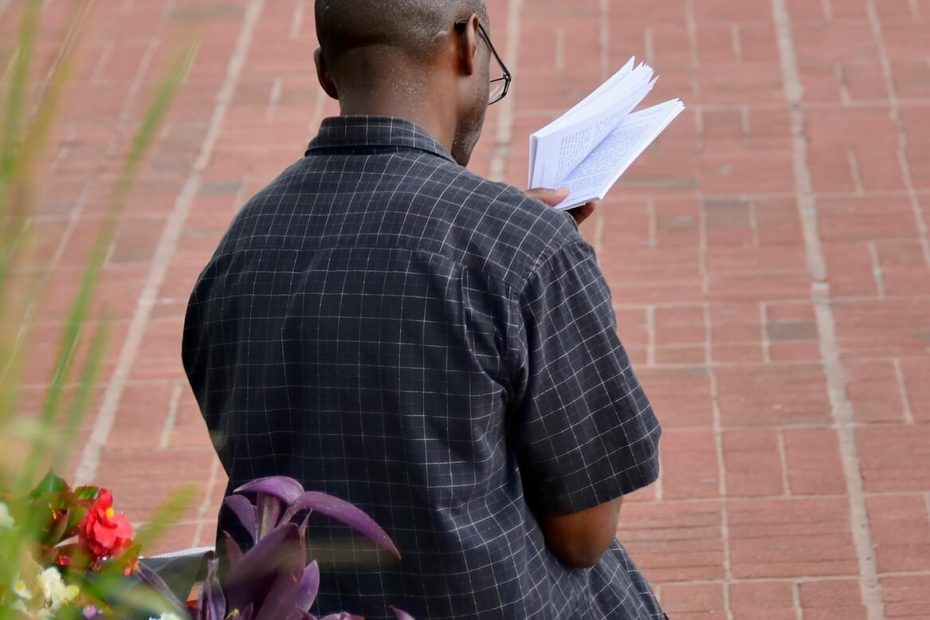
x=440 y=350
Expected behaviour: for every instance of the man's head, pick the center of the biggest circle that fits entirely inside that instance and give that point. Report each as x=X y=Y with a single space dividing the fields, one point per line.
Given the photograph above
x=423 y=60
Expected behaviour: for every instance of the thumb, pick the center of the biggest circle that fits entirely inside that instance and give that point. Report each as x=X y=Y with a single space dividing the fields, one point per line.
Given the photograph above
x=550 y=197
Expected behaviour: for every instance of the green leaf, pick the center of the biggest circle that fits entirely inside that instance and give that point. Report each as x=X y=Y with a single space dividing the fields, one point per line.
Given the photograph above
x=49 y=484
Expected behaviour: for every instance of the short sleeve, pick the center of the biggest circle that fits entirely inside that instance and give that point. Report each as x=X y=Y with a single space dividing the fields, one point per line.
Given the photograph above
x=584 y=431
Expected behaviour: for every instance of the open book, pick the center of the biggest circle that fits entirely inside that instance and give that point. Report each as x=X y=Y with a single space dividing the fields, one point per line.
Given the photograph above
x=589 y=147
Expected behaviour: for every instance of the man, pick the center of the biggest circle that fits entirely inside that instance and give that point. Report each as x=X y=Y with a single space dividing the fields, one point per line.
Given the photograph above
x=437 y=349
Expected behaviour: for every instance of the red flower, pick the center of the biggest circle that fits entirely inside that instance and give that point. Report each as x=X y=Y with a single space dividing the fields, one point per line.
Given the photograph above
x=103 y=532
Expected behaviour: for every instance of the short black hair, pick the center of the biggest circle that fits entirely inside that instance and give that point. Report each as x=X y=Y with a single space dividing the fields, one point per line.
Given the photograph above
x=409 y=25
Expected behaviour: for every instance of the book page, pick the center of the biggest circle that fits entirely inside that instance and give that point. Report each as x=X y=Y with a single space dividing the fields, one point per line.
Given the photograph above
x=594 y=177
x=557 y=149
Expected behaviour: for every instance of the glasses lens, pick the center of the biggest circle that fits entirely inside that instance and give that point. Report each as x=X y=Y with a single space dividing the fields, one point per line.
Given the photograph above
x=497 y=90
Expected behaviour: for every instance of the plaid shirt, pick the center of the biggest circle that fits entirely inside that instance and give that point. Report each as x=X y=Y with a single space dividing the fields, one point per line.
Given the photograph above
x=440 y=350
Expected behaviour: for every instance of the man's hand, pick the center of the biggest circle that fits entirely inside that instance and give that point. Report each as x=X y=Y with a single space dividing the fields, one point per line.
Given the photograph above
x=552 y=197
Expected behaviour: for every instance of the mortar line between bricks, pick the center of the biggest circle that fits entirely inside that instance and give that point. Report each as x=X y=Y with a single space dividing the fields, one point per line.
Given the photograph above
x=297 y=19
x=504 y=129
x=604 y=7
x=171 y=419
x=826 y=321
x=908 y=412
x=206 y=505
x=927 y=499
x=903 y=162
x=796 y=600
x=721 y=467
x=794 y=498
x=774 y=580
x=106 y=416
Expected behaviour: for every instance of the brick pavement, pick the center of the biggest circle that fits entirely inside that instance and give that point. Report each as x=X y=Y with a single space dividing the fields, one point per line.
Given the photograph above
x=769 y=258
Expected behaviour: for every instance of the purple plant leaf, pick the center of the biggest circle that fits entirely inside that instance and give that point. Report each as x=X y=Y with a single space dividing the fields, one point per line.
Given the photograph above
x=344 y=512
x=246 y=512
x=291 y=596
x=308 y=588
x=153 y=580
x=212 y=602
x=269 y=514
x=401 y=614
x=342 y=616
x=286 y=489
x=281 y=601
x=233 y=550
x=252 y=577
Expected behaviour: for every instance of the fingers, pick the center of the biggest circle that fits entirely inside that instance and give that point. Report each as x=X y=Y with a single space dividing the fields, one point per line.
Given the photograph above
x=584 y=212
x=551 y=197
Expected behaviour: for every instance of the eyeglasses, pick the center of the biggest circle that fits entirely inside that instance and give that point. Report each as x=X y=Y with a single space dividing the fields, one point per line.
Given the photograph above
x=500 y=86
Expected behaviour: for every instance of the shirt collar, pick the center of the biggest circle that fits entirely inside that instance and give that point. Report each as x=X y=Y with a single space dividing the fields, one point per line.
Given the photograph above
x=341 y=132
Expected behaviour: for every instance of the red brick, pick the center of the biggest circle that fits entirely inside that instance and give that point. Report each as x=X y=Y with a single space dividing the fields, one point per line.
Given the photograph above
x=900 y=532
x=761 y=598
x=814 y=463
x=677 y=223
x=732 y=353
x=725 y=11
x=692 y=598
x=915 y=372
x=689 y=464
x=895 y=459
x=625 y=223
x=763 y=395
x=837 y=40
x=681 y=397
x=904 y=269
x=750 y=287
x=803 y=11
x=874 y=392
x=680 y=355
x=738 y=172
x=866 y=219
x=906 y=597
x=674 y=541
x=898 y=327
x=836 y=595
x=805 y=352
x=790 y=313
x=753 y=463
x=790 y=538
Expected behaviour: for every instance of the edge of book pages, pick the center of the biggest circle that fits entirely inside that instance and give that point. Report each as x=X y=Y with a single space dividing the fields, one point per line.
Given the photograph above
x=590 y=146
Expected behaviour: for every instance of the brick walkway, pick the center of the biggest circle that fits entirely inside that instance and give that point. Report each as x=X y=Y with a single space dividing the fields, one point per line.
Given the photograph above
x=770 y=262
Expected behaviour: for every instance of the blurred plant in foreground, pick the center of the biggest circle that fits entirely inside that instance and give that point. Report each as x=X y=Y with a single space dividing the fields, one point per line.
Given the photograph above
x=52 y=537
x=66 y=553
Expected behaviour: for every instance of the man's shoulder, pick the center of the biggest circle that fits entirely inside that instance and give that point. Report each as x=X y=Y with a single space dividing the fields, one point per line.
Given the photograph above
x=407 y=200
x=499 y=222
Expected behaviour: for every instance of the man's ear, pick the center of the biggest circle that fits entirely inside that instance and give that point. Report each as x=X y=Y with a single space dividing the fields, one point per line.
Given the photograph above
x=323 y=75
x=467 y=46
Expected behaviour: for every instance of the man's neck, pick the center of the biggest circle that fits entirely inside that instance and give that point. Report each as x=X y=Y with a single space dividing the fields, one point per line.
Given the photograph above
x=404 y=91
x=374 y=104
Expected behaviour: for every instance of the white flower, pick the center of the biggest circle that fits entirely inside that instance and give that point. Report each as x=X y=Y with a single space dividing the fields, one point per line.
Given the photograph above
x=166 y=616
x=21 y=589
x=54 y=589
x=6 y=519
